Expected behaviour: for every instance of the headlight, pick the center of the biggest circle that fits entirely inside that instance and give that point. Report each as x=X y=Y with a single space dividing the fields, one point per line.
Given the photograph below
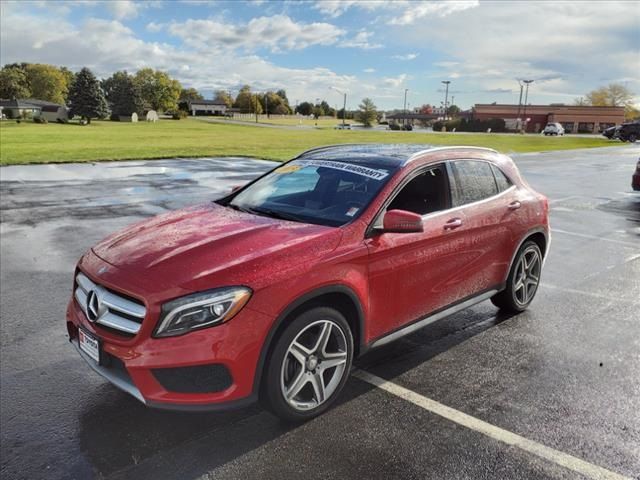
x=201 y=310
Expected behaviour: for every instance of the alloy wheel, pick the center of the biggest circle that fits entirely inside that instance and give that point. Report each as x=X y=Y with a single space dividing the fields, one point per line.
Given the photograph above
x=527 y=276
x=314 y=365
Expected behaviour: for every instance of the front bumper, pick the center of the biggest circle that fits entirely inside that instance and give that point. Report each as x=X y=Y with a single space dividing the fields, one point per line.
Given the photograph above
x=133 y=365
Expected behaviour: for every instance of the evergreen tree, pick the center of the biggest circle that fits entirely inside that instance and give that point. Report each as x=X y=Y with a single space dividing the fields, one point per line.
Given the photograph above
x=367 y=112
x=86 y=98
x=122 y=94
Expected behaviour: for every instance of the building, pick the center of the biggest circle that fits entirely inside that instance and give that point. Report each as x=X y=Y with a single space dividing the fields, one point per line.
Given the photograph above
x=32 y=108
x=207 y=107
x=574 y=119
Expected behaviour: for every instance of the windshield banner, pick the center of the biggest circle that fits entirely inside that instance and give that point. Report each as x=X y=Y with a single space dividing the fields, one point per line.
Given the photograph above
x=347 y=167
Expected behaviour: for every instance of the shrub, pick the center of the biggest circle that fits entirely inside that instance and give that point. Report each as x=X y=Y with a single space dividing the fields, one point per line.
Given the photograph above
x=40 y=120
x=179 y=115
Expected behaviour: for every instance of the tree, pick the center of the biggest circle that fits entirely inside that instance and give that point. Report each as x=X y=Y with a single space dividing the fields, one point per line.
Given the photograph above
x=14 y=83
x=122 y=94
x=274 y=103
x=247 y=102
x=612 y=95
x=327 y=110
x=426 y=109
x=305 y=108
x=190 y=94
x=367 y=112
x=223 y=96
x=580 y=102
x=454 y=110
x=158 y=90
x=47 y=82
x=86 y=98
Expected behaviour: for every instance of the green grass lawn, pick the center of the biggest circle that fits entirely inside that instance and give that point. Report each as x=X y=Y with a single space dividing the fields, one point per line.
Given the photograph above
x=36 y=143
x=290 y=121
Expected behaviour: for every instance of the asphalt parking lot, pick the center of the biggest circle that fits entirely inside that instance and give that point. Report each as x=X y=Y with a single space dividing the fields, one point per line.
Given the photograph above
x=564 y=375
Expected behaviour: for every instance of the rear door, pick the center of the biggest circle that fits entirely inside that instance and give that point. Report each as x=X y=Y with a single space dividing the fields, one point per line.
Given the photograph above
x=490 y=206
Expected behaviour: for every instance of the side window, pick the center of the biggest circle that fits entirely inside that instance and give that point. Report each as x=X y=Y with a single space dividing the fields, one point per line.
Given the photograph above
x=474 y=181
x=501 y=179
x=428 y=192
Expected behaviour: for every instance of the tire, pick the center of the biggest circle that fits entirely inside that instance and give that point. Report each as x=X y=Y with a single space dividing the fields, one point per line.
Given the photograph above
x=316 y=337
x=632 y=137
x=523 y=280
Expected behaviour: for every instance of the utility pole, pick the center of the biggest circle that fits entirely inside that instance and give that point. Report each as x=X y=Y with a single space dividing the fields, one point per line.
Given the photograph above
x=526 y=97
x=344 y=104
x=404 y=119
x=520 y=99
x=446 y=97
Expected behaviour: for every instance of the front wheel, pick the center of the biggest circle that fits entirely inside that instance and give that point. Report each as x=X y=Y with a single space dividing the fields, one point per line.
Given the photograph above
x=309 y=365
x=632 y=137
x=523 y=280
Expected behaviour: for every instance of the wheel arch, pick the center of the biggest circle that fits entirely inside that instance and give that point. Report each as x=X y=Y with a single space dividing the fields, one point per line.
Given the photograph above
x=540 y=236
x=340 y=297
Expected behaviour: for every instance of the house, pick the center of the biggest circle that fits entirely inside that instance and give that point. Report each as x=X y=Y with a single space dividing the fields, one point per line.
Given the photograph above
x=207 y=107
x=32 y=108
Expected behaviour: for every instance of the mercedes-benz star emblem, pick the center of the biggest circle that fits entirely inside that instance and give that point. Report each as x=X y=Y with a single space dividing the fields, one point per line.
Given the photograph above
x=93 y=306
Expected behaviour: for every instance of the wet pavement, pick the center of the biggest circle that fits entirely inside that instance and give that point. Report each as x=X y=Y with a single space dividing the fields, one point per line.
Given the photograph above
x=564 y=374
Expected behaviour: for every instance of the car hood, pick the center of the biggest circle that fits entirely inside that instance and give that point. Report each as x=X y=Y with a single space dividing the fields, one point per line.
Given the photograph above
x=209 y=245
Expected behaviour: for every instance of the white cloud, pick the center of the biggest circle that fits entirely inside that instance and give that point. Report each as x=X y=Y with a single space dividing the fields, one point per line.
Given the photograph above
x=277 y=33
x=442 y=8
x=408 y=56
x=361 y=40
x=369 y=70
x=123 y=9
x=395 y=82
x=154 y=27
x=335 y=8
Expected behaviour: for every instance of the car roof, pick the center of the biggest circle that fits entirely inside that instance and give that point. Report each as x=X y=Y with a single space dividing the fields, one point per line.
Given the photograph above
x=375 y=154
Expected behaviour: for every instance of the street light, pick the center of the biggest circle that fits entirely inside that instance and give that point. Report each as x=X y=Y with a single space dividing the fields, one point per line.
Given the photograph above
x=446 y=96
x=404 y=119
x=344 y=106
x=520 y=99
x=526 y=97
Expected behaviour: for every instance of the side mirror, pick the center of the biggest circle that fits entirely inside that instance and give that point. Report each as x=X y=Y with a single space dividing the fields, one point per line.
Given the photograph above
x=235 y=188
x=402 y=221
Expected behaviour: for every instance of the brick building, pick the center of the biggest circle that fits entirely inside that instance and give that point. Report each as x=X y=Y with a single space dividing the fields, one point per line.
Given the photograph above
x=574 y=119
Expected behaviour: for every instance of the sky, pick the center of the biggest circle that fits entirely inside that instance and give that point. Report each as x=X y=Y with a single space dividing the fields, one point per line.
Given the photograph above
x=366 y=48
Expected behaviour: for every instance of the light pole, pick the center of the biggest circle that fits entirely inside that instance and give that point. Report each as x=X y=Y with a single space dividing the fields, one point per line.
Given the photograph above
x=404 y=119
x=446 y=96
x=344 y=104
x=520 y=100
x=526 y=97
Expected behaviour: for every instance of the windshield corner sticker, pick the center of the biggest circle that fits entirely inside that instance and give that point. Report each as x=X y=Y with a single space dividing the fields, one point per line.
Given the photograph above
x=352 y=211
x=347 y=167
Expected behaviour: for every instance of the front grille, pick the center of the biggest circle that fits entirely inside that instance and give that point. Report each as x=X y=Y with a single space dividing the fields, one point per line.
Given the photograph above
x=107 y=308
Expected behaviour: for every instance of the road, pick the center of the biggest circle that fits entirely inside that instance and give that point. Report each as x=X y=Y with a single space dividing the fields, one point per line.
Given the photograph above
x=562 y=376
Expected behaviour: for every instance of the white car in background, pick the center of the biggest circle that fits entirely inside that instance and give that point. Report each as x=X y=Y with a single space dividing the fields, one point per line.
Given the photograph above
x=553 y=129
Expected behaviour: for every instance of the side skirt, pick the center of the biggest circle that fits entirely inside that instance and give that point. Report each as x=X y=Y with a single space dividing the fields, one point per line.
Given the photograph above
x=434 y=317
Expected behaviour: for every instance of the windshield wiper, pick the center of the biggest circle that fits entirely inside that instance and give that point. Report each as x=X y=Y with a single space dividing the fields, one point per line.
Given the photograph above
x=276 y=214
x=240 y=209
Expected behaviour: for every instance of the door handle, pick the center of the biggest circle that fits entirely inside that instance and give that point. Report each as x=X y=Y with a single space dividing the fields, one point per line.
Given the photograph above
x=453 y=224
x=515 y=205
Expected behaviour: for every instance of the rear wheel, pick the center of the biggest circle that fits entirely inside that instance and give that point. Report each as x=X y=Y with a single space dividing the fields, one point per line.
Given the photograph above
x=632 y=137
x=523 y=280
x=309 y=366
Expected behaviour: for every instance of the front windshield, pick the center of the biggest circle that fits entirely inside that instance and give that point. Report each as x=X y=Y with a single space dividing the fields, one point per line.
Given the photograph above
x=314 y=191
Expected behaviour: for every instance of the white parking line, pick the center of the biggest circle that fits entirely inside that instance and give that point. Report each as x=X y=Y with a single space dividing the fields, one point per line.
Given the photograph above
x=600 y=296
x=559 y=458
x=594 y=237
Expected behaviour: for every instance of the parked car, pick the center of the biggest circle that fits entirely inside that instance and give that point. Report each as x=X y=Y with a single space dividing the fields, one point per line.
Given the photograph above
x=553 y=129
x=630 y=131
x=612 y=132
x=273 y=290
x=635 y=178
x=343 y=126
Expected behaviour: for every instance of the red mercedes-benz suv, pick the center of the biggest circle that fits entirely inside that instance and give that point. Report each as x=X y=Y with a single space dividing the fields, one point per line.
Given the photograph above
x=273 y=290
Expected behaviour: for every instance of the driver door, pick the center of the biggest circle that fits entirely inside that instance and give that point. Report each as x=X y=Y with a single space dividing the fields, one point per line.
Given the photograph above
x=414 y=274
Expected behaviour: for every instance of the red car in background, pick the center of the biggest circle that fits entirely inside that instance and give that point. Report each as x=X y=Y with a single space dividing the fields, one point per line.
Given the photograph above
x=272 y=291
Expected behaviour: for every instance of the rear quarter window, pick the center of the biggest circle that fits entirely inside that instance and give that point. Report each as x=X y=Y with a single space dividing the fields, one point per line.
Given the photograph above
x=474 y=181
x=502 y=181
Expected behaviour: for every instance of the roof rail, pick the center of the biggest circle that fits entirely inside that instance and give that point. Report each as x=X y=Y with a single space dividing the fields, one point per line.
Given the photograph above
x=327 y=147
x=451 y=147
